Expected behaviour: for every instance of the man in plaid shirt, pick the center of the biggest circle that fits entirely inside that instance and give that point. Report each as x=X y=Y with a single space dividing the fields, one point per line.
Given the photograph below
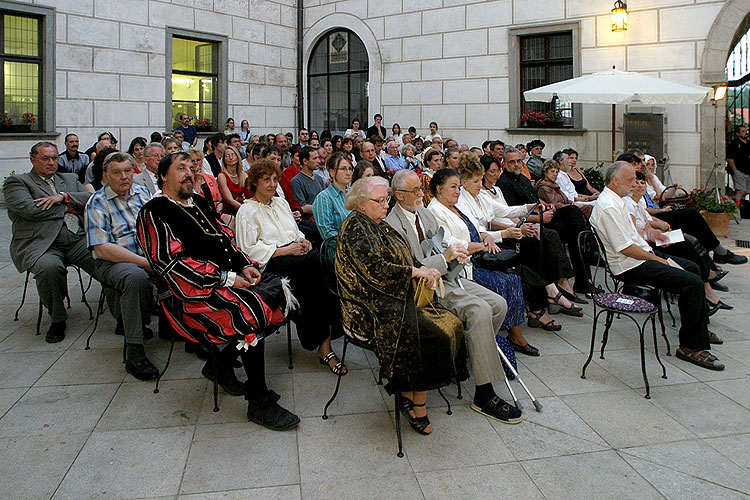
x=111 y=215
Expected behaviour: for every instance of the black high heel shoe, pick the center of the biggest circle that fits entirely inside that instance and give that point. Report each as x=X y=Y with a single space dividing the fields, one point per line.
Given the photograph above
x=419 y=424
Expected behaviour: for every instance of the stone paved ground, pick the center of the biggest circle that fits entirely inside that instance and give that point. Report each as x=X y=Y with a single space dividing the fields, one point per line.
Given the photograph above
x=74 y=425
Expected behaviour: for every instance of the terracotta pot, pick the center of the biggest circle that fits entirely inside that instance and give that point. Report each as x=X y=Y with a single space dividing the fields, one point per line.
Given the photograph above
x=717 y=221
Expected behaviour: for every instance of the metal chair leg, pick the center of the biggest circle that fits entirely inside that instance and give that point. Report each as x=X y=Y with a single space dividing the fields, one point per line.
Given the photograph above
x=23 y=297
x=216 y=377
x=99 y=310
x=593 y=341
x=400 y=453
x=169 y=358
x=449 y=412
x=460 y=394
x=643 y=360
x=338 y=381
x=83 y=294
x=39 y=318
x=289 y=343
x=656 y=348
x=659 y=312
x=607 y=325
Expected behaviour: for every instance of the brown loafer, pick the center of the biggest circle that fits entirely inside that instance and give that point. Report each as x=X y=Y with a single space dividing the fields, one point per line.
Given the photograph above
x=704 y=359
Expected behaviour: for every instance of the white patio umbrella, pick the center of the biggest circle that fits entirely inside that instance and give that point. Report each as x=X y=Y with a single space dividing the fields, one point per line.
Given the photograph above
x=619 y=87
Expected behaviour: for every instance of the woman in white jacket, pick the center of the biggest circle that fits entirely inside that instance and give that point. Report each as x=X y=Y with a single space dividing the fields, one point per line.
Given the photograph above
x=460 y=228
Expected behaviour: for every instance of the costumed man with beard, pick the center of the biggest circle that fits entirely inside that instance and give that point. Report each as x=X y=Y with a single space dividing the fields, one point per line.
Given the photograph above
x=210 y=289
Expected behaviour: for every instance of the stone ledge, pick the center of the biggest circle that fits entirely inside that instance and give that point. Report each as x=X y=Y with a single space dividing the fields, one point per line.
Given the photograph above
x=546 y=131
x=28 y=135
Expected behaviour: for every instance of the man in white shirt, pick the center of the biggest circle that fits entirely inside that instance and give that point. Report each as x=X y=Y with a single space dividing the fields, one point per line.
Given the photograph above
x=633 y=261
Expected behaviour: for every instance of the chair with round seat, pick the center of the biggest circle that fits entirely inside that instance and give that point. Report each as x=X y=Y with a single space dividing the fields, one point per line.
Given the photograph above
x=613 y=303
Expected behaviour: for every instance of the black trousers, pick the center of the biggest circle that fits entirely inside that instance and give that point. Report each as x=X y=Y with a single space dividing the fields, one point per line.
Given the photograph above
x=569 y=222
x=687 y=283
x=691 y=222
x=687 y=251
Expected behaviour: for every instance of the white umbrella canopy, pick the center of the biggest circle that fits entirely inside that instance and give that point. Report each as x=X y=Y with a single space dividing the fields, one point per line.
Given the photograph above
x=619 y=87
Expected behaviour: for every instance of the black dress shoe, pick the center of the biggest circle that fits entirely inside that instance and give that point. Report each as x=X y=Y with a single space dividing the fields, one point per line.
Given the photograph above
x=197 y=348
x=527 y=349
x=712 y=308
x=138 y=365
x=56 y=333
x=720 y=305
x=267 y=412
x=718 y=286
x=729 y=258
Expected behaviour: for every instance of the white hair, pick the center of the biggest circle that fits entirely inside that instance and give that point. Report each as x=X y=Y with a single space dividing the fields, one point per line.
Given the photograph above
x=361 y=191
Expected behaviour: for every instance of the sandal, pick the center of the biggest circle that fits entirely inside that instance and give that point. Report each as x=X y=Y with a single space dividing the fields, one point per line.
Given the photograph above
x=337 y=369
x=555 y=307
x=419 y=424
x=535 y=322
x=572 y=297
x=703 y=359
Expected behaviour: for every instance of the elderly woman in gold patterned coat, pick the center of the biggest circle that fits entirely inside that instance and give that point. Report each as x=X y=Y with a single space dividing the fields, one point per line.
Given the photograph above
x=419 y=349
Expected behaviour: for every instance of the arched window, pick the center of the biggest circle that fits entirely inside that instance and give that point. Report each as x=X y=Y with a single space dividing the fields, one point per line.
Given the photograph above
x=337 y=82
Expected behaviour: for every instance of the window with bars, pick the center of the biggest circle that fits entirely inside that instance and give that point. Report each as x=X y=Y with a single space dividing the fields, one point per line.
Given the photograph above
x=545 y=58
x=337 y=82
x=21 y=55
x=195 y=79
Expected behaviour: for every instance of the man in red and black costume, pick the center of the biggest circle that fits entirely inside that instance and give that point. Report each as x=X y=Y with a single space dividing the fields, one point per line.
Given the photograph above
x=212 y=290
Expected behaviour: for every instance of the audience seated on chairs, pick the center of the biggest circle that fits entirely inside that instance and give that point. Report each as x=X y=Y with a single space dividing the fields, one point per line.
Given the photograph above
x=267 y=233
x=328 y=208
x=306 y=185
x=481 y=310
x=71 y=160
x=504 y=216
x=585 y=191
x=46 y=209
x=539 y=275
x=111 y=215
x=231 y=181
x=461 y=228
x=687 y=219
x=633 y=261
x=212 y=291
x=548 y=189
x=417 y=348
x=651 y=230
x=153 y=154
x=567 y=221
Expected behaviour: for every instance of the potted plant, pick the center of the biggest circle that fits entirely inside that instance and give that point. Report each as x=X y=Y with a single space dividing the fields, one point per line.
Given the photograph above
x=537 y=119
x=5 y=121
x=715 y=209
x=205 y=125
x=7 y=125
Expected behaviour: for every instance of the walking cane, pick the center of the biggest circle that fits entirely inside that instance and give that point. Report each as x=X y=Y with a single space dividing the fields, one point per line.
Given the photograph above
x=507 y=363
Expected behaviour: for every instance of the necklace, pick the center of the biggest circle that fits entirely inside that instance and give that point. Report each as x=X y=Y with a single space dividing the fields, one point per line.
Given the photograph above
x=214 y=231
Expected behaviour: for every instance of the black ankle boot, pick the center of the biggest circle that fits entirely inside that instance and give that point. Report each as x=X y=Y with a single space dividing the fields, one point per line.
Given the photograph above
x=137 y=364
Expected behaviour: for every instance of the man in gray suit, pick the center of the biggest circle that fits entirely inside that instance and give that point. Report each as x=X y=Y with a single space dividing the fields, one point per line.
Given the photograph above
x=153 y=154
x=46 y=208
x=481 y=310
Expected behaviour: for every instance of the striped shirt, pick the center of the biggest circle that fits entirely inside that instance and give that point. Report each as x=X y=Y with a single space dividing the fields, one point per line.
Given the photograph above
x=111 y=218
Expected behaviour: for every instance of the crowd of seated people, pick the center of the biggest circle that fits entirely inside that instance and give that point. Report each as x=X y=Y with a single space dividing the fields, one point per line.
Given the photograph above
x=224 y=241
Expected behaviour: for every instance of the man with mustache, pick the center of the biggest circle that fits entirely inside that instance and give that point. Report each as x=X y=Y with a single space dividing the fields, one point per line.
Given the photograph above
x=211 y=290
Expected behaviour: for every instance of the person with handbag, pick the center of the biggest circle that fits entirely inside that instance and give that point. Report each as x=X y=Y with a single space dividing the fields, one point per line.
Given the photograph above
x=419 y=349
x=481 y=310
x=539 y=275
x=462 y=229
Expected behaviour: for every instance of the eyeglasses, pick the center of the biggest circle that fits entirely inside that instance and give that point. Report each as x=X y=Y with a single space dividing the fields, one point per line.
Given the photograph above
x=45 y=159
x=382 y=201
x=415 y=191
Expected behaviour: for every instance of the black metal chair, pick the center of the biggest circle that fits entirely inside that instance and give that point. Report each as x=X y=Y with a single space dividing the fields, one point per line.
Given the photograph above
x=614 y=303
x=327 y=253
x=67 y=297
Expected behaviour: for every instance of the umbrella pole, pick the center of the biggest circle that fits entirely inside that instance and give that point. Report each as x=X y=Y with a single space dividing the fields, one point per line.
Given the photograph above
x=613 y=132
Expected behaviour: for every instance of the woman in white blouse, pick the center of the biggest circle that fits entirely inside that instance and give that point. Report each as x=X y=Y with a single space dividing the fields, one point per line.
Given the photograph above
x=508 y=236
x=462 y=229
x=267 y=232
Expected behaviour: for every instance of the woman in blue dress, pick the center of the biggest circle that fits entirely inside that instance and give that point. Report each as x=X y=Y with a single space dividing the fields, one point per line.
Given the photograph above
x=459 y=228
